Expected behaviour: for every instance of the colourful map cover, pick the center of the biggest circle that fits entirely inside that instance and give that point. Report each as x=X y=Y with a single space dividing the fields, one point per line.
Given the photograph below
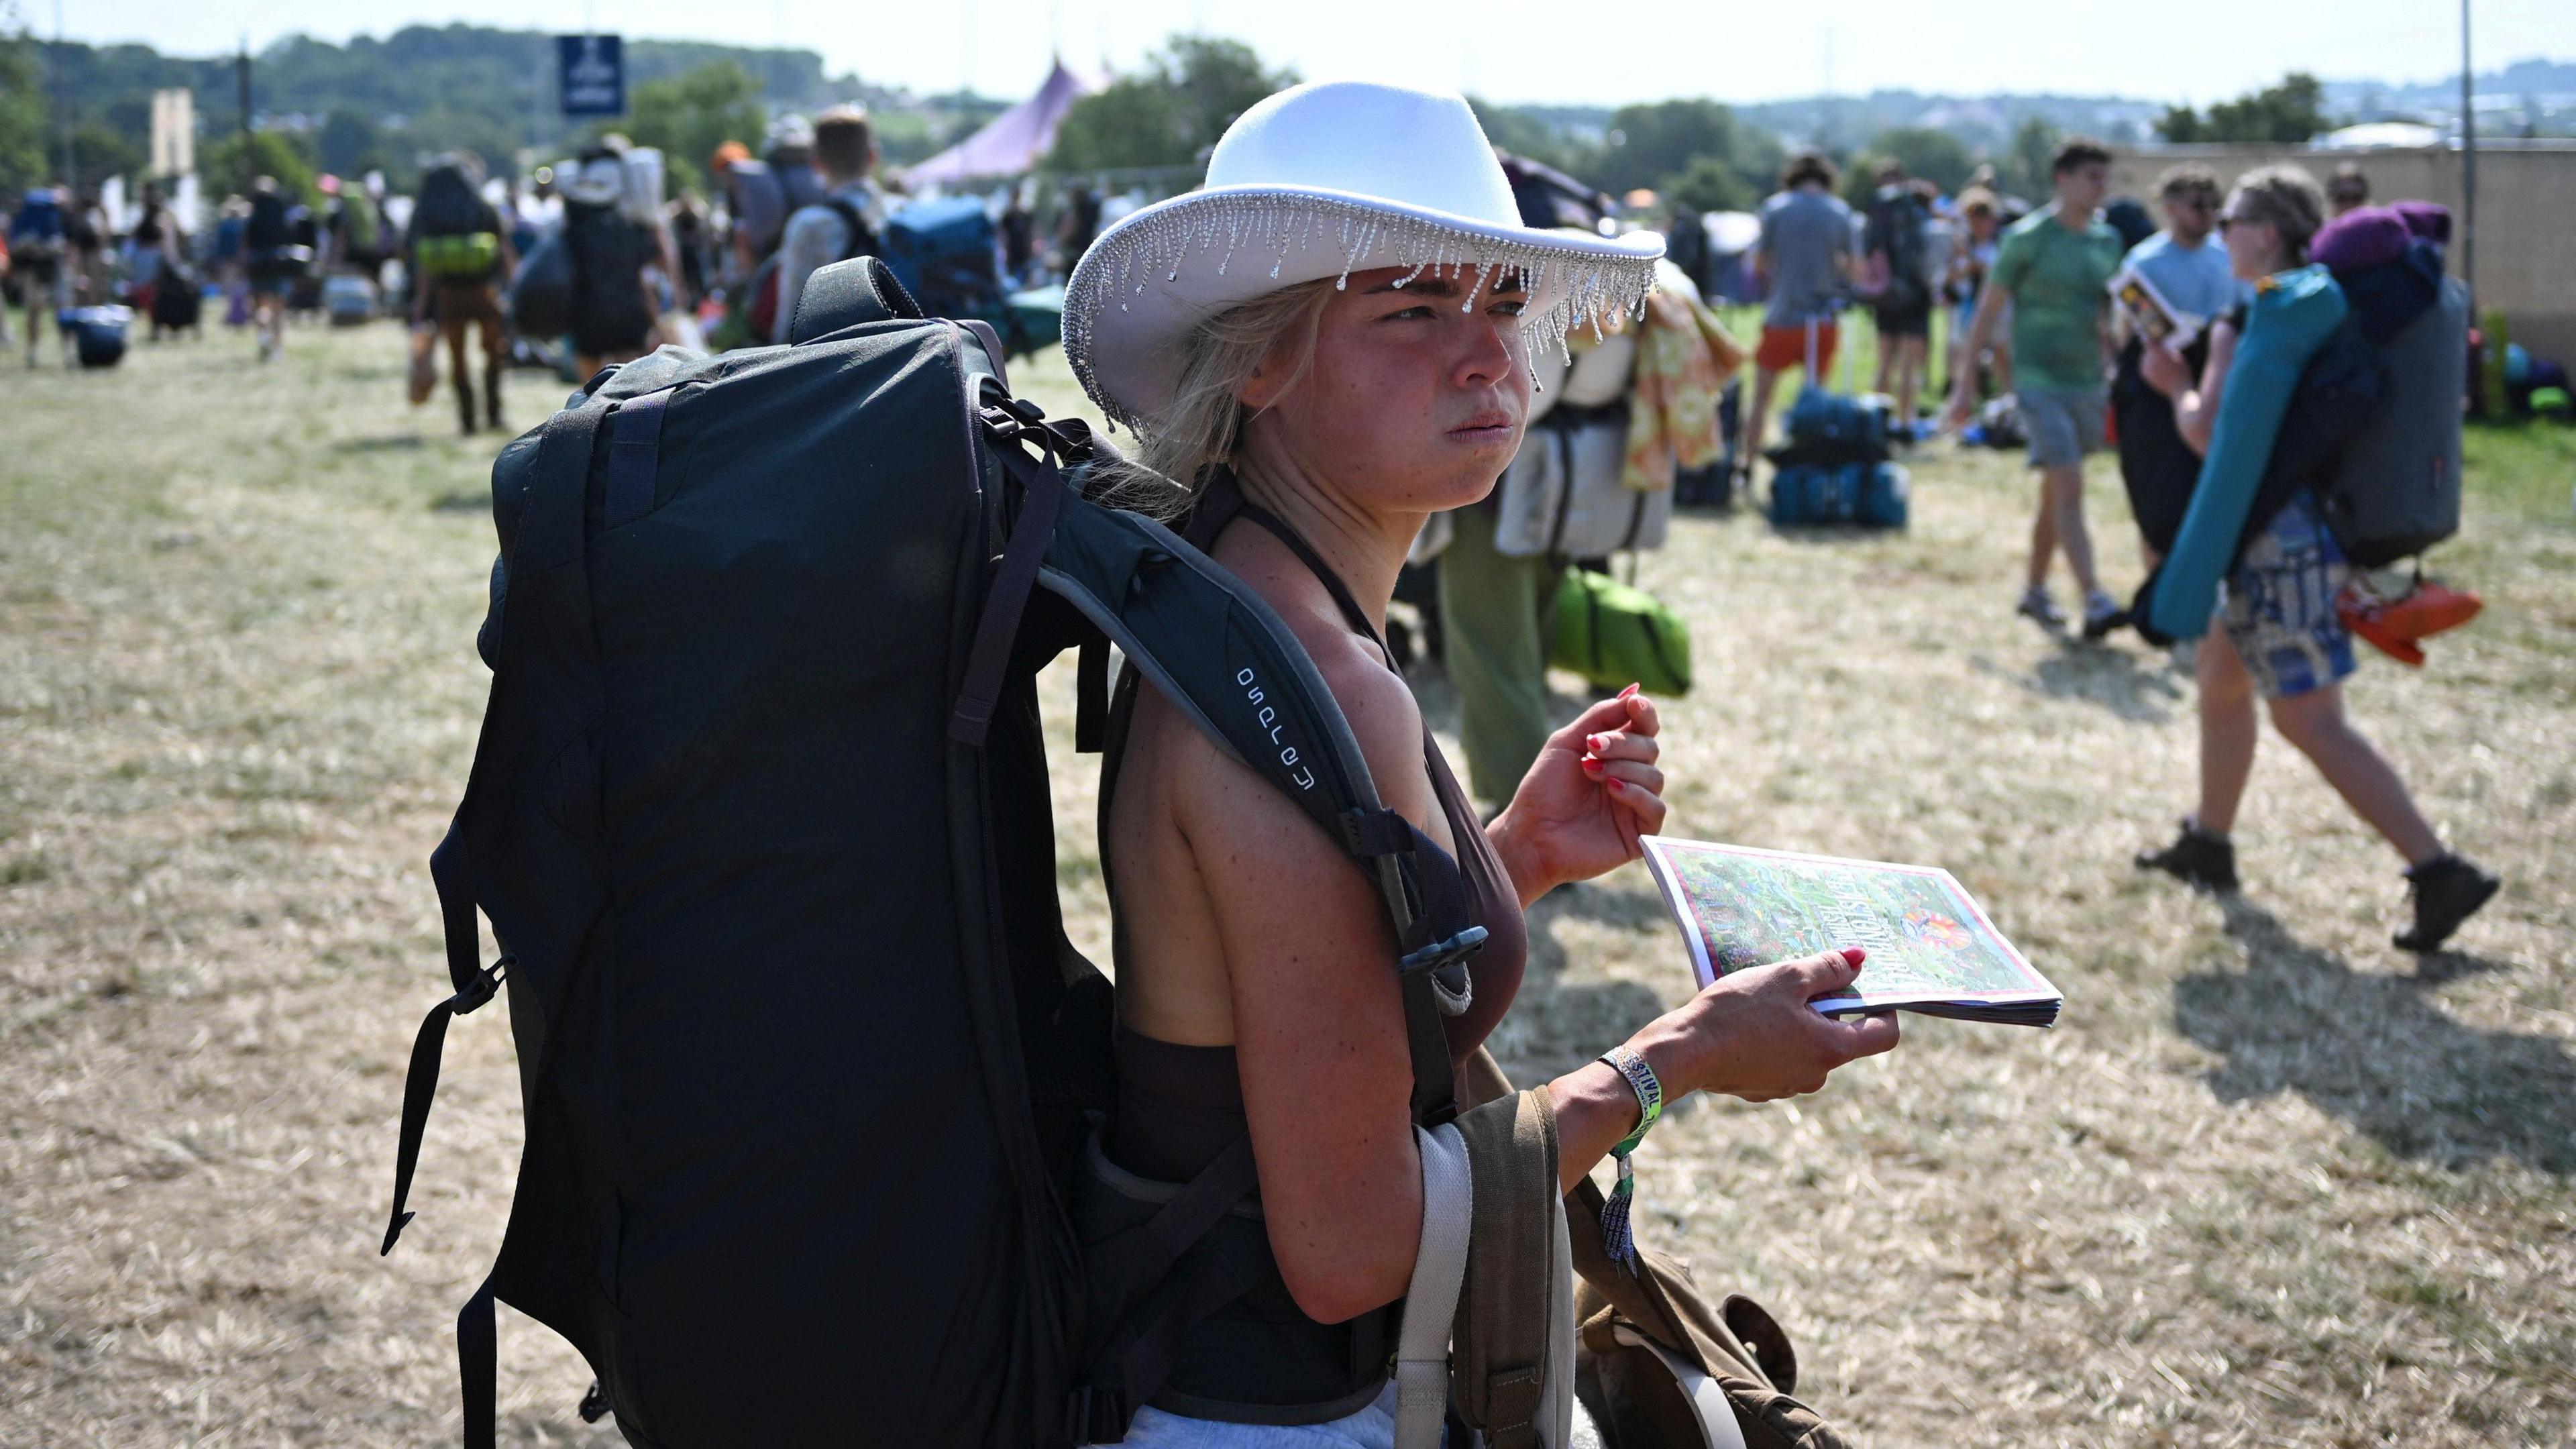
x=1931 y=948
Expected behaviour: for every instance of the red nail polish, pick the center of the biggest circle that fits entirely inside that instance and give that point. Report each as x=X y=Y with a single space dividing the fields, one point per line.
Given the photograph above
x=1593 y=743
x=1592 y=767
x=1629 y=692
x=1853 y=956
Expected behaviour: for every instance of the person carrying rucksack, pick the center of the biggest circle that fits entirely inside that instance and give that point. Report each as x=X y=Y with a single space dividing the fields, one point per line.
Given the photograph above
x=460 y=259
x=2273 y=628
x=38 y=259
x=1896 y=252
x=611 y=304
x=841 y=223
x=275 y=260
x=755 y=209
x=1307 y=400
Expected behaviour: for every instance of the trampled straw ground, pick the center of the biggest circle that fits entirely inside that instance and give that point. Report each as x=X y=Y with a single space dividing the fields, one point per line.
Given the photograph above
x=2269 y=1182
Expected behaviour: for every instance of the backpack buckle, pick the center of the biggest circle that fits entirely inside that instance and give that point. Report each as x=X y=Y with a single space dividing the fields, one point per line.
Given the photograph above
x=1439 y=956
x=1094 y=1415
x=485 y=985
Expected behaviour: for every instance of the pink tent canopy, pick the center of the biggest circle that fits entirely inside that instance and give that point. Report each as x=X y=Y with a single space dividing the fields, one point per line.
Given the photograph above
x=1015 y=141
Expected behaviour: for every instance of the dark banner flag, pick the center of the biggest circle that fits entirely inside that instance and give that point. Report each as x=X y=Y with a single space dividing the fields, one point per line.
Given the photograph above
x=590 y=74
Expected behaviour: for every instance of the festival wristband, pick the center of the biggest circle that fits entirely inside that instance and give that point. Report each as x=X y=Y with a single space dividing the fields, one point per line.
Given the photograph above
x=1649 y=1090
x=1616 y=1234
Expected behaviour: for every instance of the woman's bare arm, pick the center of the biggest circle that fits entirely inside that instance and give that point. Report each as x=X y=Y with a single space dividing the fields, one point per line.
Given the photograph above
x=1318 y=1020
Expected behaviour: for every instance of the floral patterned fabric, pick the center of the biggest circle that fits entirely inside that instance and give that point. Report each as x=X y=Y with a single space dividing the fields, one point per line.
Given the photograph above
x=1684 y=357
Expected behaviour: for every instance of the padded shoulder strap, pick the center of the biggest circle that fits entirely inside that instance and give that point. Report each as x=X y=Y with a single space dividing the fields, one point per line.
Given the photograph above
x=847 y=294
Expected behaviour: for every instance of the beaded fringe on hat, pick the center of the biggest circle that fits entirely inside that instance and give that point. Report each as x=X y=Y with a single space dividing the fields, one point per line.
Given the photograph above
x=1155 y=251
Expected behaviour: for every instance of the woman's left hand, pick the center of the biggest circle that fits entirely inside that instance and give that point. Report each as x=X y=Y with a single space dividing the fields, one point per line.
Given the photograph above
x=1592 y=792
x=2164 y=370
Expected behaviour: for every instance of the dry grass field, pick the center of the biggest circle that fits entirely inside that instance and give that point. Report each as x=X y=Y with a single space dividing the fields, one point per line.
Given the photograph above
x=2270 y=1181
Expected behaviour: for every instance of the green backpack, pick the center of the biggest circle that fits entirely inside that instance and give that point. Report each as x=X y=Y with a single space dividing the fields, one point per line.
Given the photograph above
x=466 y=257
x=1615 y=634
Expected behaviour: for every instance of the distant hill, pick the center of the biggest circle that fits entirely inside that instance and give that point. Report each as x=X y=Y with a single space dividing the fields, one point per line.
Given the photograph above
x=1985 y=123
x=2538 y=91
x=2538 y=96
x=426 y=88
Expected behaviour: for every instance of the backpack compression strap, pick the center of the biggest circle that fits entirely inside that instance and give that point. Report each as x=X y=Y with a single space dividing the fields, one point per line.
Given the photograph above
x=549 y=536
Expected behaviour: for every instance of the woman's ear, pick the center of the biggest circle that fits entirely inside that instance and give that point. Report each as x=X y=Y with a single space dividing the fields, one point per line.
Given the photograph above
x=1262 y=389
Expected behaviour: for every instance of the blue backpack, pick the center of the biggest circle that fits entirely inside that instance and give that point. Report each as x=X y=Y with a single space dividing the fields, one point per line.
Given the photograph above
x=948 y=255
x=1828 y=429
x=37 y=229
x=1872 y=495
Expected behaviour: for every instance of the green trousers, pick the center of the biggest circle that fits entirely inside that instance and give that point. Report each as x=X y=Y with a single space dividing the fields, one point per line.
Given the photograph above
x=1491 y=609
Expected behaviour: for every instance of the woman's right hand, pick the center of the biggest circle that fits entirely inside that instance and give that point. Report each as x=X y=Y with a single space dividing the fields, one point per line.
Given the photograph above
x=1752 y=1034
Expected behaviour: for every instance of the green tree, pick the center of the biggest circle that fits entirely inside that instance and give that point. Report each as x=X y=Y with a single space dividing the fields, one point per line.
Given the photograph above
x=1169 y=113
x=23 y=133
x=100 y=151
x=2284 y=114
x=689 y=115
x=1523 y=134
x=1936 y=156
x=272 y=153
x=2025 y=168
x=349 y=144
x=1711 y=183
x=1650 y=144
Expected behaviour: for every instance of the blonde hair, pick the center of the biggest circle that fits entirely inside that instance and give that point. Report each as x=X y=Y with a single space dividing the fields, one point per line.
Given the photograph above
x=2288 y=199
x=1203 y=423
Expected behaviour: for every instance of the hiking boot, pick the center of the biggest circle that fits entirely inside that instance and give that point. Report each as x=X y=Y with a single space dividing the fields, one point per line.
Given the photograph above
x=2203 y=859
x=2040 y=609
x=2101 y=616
x=2447 y=890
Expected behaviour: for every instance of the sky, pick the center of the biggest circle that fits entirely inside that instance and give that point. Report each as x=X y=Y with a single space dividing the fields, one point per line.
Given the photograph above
x=1526 y=52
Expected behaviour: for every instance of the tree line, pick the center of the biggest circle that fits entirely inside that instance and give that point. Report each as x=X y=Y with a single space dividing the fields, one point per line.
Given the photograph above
x=389 y=104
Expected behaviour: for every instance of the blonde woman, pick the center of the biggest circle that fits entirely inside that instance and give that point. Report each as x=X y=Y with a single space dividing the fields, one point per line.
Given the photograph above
x=1319 y=349
x=2272 y=629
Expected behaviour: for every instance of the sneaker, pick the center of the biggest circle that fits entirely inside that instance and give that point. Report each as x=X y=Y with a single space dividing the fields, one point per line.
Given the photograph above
x=2102 y=615
x=2204 y=859
x=2446 y=892
x=2040 y=609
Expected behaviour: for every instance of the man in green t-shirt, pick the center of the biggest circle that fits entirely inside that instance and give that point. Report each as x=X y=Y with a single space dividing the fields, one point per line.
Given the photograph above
x=2052 y=269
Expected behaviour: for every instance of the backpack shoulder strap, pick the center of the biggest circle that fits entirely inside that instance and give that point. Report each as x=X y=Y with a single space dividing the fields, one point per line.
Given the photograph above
x=862 y=237
x=1217 y=652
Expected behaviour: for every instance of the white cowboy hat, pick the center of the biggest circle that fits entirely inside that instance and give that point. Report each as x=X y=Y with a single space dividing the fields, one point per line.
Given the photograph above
x=1321 y=181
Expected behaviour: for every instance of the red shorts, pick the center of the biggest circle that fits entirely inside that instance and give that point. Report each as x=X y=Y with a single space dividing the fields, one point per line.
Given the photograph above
x=1786 y=347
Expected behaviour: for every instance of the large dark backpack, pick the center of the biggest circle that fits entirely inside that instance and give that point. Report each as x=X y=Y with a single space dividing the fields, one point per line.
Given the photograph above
x=608 y=253
x=949 y=254
x=2396 y=491
x=270 y=227
x=2373 y=431
x=448 y=205
x=760 y=819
